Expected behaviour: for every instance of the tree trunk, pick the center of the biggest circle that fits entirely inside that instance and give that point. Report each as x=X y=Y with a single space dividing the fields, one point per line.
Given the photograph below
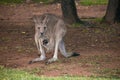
x=113 y=12
x=69 y=11
x=28 y=1
x=117 y=18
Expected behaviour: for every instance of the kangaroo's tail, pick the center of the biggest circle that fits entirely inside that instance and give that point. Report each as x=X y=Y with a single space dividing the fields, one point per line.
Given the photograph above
x=72 y=54
x=75 y=54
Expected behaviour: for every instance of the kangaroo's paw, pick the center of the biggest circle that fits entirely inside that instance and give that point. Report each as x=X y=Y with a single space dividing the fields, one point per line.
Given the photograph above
x=51 y=60
x=37 y=60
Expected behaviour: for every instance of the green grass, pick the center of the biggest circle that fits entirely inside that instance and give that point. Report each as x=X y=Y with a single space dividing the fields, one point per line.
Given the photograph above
x=22 y=1
x=15 y=74
x=11 y=1
x=109 y=72
x=83 y=2
x=93 y=2
x=77 y=25
x=43 y=1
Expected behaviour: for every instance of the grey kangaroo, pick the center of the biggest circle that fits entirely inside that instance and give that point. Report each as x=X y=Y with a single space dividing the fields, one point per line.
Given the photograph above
x=49 y=33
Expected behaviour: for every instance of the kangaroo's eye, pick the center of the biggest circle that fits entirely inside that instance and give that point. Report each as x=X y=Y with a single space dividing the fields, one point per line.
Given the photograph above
x=44 y=27
x=38 y=27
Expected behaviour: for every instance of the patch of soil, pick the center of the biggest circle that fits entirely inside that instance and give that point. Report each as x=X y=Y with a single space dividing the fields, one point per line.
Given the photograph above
x=98 y=46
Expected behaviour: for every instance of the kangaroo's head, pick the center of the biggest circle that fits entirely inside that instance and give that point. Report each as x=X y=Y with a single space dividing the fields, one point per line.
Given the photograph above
x=40 y=25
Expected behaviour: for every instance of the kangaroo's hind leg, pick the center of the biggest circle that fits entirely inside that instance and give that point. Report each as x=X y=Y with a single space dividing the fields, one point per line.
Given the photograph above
x=55 y=56
x=41 y=50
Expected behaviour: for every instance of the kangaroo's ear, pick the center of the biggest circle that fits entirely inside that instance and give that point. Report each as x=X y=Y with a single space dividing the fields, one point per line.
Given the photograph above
x=34 y=19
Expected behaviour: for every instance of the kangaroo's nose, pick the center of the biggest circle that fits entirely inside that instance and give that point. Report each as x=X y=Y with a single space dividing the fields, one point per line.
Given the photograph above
x=41 y=33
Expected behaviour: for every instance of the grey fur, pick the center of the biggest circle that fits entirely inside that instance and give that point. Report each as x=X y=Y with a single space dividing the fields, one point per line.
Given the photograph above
x=49 y=33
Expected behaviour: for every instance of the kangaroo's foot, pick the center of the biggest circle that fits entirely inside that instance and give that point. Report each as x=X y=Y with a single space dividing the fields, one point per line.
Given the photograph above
x=51 y=60
x=37 y=60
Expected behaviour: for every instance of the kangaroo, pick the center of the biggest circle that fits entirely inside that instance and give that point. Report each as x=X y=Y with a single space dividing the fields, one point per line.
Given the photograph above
x=49 y=33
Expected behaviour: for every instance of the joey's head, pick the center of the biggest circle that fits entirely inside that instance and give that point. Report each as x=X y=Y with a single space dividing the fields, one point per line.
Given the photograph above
x=45 y=41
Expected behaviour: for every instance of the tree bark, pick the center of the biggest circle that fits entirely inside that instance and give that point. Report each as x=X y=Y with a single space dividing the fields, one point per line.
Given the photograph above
x=117 y=18
x=113 y=12
x=28 y=1
x=69 y=11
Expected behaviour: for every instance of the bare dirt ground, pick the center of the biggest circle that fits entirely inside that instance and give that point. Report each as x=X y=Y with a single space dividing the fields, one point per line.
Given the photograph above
x=99 y=46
